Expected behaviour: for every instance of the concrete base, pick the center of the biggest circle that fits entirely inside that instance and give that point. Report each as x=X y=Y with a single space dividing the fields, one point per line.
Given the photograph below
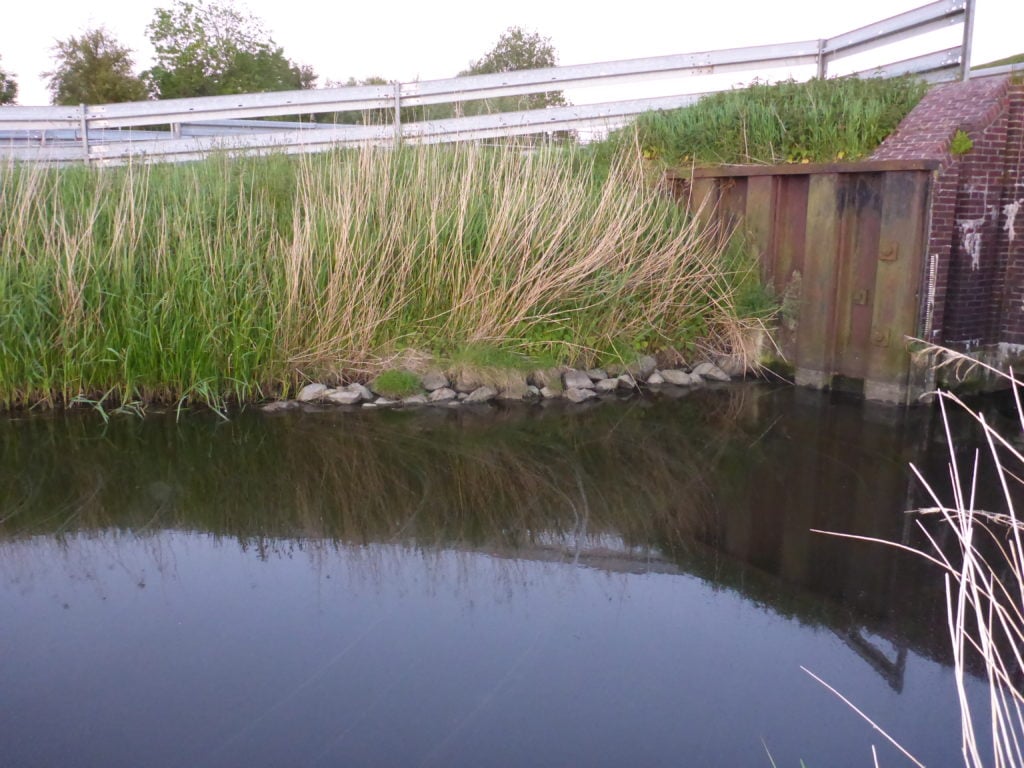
x=805 y=377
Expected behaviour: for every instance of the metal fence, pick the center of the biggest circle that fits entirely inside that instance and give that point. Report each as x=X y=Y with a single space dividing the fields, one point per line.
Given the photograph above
x=186 y=129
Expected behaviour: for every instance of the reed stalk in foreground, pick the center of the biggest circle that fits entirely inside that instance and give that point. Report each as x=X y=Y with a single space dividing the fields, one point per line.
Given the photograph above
x=984 y=579
x=236 y=279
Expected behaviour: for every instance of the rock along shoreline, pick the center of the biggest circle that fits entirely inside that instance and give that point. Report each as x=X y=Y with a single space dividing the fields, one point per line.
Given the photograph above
x=439 y=388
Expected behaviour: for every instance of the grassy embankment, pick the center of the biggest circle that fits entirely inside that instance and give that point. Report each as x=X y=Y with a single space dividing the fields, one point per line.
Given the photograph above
x=816 y=121
x=1016 y=59
x=234 y=280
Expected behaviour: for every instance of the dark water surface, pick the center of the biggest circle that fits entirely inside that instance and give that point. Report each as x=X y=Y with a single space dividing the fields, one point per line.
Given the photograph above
x=633 y=584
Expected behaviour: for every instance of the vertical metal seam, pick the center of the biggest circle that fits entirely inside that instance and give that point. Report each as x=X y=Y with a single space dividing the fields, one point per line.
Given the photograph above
x=965 y=48
x=83 y=121
x=398 y=114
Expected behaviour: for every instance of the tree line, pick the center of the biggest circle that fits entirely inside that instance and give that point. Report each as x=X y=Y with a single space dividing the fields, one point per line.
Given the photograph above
x=210 y=48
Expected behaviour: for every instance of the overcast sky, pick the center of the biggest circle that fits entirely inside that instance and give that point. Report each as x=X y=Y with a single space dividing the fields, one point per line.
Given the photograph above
x=404 y=41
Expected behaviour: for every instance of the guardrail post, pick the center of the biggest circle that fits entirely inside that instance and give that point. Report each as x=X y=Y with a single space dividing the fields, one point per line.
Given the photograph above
x=965 y=49
x=83 y=122
x=398 y=114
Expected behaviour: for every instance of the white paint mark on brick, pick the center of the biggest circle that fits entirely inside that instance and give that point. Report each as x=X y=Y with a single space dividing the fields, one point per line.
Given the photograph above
x=1010 y=211
x=970 y=239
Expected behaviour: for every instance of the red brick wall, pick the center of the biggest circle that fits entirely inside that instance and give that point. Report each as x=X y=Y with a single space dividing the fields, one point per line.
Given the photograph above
x=974 y=294
x=1010 y=322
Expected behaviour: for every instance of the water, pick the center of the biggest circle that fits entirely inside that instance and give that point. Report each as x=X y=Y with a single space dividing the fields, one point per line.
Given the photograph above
x=629 y=584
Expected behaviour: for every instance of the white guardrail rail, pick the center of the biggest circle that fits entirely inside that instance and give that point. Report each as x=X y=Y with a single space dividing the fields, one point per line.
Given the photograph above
x=187 y=129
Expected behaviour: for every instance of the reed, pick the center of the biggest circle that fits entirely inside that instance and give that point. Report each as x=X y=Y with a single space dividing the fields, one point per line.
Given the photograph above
x=985 y=591
x=981 y=555
x=235 y=279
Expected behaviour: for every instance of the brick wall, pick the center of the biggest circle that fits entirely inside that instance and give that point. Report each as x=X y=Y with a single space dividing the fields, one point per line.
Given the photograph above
x=1010 y=323
x=974 y=292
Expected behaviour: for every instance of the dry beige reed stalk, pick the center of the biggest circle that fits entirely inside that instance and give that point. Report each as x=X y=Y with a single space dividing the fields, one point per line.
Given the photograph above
x=984 y=580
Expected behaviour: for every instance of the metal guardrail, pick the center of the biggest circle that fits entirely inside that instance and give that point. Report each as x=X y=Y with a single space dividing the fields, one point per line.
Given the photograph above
x=188 y=129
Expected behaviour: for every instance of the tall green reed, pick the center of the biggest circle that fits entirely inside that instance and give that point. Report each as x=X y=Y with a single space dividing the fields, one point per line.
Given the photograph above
x=233 y=279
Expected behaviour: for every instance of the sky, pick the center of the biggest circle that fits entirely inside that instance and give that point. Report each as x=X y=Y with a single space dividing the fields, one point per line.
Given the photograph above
x=405 y=41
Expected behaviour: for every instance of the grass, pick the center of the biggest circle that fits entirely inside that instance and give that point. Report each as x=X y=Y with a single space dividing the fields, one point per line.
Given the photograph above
x=1017 y=59
x=491 y=356
x=396 y=383
x=815 y=121
x=231 y=280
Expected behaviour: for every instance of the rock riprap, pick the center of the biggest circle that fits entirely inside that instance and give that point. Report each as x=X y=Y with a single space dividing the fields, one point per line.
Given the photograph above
x=570 y=384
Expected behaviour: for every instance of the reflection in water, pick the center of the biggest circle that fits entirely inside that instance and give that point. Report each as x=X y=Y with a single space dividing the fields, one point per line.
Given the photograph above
x=480 y=517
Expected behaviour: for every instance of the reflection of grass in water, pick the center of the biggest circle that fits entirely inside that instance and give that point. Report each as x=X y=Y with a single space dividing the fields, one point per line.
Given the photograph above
x=673 y=480
x=425 y=476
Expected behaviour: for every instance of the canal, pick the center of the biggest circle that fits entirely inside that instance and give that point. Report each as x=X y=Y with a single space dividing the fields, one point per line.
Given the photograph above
x=631 y=583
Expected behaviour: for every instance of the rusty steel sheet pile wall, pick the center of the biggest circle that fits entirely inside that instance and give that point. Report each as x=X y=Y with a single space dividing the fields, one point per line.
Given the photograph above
x=842 y=247
x=921 y=241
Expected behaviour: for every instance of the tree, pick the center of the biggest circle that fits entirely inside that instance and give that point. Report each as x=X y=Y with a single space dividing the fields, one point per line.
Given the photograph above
x=516 y=50
x=211 y=48
x=364 y=117
x=93 y=68
x=8 y=88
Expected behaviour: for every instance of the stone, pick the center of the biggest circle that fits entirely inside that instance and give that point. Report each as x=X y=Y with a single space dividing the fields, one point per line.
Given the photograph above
x=640 y=368
x=414 y=400
x=279 y=405
x=343 y=397
x=467 y=381
x=545 y=377
x=513 y=387
x=482 y=395
x=607 y=385
x=579 y=394
x=549 y=394
x=364 y=393
x=311 y=393
x=383 y=402
x=442 y=395
x=574 y=379
x=434 y=381
x=711 y=371
x=678 y=378
x=655 y=379
x=626 y=381
x=597 y=374
x=532 y=393
x=734 y=365
x=645 y=366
